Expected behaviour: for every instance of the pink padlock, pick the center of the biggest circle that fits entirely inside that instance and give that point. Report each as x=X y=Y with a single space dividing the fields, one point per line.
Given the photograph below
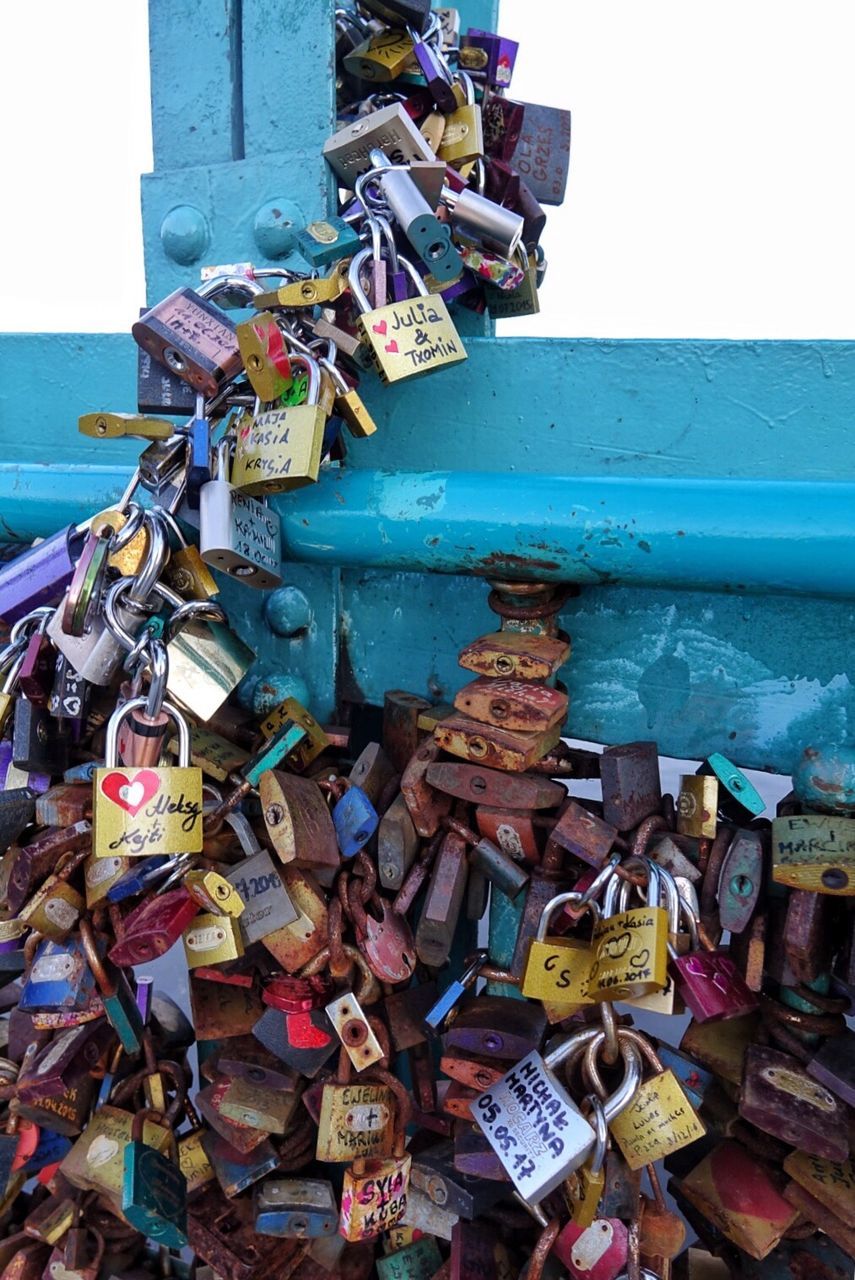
x=597 y=1252
x=710 y=984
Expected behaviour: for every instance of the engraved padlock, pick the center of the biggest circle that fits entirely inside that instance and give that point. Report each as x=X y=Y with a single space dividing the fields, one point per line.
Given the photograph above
x=194 y=338
x=279 y=449
x=408 y=338
x=237 y=534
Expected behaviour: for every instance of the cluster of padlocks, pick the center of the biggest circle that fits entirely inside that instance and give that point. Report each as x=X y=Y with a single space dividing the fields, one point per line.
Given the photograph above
x=347 y=1097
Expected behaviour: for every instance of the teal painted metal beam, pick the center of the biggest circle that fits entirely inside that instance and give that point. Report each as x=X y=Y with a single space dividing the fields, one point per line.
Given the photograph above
x=566 y=406
x=196 y=82
x=716 y=534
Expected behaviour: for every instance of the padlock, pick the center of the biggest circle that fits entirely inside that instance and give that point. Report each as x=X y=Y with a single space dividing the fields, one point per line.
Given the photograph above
x=709 y=981
x=488 y=57
x=77 y=1260
x=349 y=405
x=557 y=969
x=740 y=1196
x=265 y=356
x=430 y=238
x=407 y=338
x=356 y=1120
x=779 y=1097
x=584 y=1189
x=97 y=654
x=434 y=1173
x=96 y=1160
x=186 y=573
x=279 y=450
x=814 y=851
x=313 y=740
x=154 y=1190
x=116 y=993
x=494 y=747
x=631 y=785
x=238 y=535
x=60 y=979
x=143 y=734
x=324 y=241
x=381 y=57
x=299 y=823
x=390 y=128
x=740 y=880
x=267 y=904
x=354 y=817
x=829 y=1183
x=583 y=834
x=630 y=948
x=738 y=798
x=443 y=901
x=193 y=338
x=40 y=743
x=512 y=704
x=533 y=1124
x=397 y=844
x=697 y=806
x=374 y=1193
x=137 y=812
x=207 y=660
x=402 y=13
x=40 y=575
x=153 y=926
x=64 y=1062
x=300 y=1207
x=212 y=939
x=659 y=1119
x=542 y=155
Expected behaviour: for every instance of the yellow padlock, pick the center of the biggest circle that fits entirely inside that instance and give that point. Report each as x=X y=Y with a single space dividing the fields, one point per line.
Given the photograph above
x=557 y=969
x=630 y=947
x=409 y=338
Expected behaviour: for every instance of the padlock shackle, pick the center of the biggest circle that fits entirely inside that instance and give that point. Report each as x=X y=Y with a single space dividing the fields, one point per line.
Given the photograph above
x=597 y=1118
x=559 y=901
x=628 y=1038
x=229 y=284
x=194 y=611
x=111 y=742
x=155 y=561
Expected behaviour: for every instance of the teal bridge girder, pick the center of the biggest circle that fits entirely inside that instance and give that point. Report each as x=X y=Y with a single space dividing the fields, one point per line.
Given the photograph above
x=702 y=494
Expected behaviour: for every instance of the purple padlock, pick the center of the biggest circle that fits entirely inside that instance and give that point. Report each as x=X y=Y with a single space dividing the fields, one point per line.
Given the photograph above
x=436 y=74
x=39 y=576
x=500 y=54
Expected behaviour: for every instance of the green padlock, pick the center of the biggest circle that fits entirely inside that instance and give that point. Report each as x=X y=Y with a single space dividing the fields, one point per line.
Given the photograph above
x=119 y=1001
x=154 y=1190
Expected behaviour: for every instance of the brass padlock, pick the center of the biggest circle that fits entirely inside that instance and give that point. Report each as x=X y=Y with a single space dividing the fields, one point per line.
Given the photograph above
x=280 y=449
x=407 y=338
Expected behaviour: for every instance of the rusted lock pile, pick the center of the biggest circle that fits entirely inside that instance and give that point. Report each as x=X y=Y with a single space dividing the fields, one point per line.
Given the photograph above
x=347 y=1097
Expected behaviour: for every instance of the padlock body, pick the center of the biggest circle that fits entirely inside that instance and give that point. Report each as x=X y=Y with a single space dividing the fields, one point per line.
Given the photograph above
x=193 y=338
x=154 y=1195
x=374 y=1200
x=279 y=449
x=630 y=954
x=137 y=812
x=411 y=338
x=239 y=536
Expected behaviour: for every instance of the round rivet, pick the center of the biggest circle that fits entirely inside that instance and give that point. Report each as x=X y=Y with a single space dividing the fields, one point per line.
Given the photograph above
x=273 y=689
x=184 y=234
x=287 y=611
x=275 y=228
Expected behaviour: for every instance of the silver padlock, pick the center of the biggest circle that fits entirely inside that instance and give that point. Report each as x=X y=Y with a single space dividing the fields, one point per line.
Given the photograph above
x=238 y=535
x=489 y=224
x=267 y=904
x=98 y=653
x=535 y=1127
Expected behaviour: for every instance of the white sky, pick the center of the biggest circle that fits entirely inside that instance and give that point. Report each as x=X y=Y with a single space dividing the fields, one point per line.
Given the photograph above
x=710 y=189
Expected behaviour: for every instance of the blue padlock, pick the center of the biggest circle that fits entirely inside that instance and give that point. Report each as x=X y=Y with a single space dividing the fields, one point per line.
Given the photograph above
x=137 y=877
x=60 y=979
x=354 y=818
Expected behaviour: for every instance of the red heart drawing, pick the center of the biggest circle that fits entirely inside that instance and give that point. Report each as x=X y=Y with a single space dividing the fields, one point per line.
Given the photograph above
x=131 y=793
x=380 y=328
x=392 y=346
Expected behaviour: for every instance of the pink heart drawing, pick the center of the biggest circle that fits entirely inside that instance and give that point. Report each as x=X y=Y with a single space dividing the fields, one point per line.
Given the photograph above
x=392 y=346
x=380 y=328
